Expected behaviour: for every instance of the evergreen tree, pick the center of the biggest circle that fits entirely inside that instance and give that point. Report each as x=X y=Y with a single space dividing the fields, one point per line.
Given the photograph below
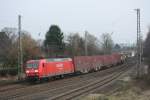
x=54 y=40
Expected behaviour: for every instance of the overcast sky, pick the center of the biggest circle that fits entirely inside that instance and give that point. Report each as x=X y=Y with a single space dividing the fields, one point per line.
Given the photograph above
x=95 y=16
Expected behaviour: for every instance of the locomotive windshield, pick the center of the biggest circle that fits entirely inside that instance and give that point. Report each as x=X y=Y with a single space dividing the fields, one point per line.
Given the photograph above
x=32 y=65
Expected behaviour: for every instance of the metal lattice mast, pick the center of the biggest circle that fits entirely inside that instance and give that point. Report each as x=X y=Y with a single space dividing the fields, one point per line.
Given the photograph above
x=139 y=43
x=86 y=51
x=20 y=56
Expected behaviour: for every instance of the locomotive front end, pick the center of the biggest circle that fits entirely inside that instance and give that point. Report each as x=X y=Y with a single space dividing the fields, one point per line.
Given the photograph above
x=32 y=70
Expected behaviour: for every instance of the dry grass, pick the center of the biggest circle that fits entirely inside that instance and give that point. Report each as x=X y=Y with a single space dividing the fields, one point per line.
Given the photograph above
x=131 y=89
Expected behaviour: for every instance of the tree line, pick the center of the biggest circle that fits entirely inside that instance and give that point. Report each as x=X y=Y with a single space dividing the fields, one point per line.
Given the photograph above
x=74 y=44
x=54 y=45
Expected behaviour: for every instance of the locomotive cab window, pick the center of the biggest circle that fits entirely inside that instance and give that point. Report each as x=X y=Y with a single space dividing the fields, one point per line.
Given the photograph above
x=32 y=65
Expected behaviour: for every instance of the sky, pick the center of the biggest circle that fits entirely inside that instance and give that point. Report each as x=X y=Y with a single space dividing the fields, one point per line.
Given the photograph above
x=95 y=16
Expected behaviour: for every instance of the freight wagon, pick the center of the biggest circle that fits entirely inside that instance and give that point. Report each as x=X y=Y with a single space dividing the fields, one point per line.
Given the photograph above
x=47 y=68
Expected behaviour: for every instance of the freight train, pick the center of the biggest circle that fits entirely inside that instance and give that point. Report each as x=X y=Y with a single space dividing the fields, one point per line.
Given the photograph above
x=47 y=68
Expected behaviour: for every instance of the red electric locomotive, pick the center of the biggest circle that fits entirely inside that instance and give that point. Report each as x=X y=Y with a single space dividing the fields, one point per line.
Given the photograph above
x=44 y=68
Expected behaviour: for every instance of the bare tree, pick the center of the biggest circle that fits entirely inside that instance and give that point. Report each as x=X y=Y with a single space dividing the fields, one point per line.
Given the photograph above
x=9 y=47
x=107 y=43
x=75 y=44
x=31 y=49
x=93 y=47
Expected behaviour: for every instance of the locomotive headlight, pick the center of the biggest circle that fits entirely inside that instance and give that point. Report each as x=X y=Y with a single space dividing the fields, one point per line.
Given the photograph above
x=36 y=71
x=27 y=71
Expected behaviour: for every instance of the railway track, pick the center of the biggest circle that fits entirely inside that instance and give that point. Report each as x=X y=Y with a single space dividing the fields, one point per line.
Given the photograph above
x=9 y=87
x=87 y=88
x=44 y=91
x=55 y=92
x=54 y=89
x=27 y=85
